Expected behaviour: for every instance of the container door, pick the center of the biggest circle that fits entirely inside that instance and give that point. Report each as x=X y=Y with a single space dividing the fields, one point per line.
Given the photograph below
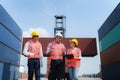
x=1 y=70
x=6 y=72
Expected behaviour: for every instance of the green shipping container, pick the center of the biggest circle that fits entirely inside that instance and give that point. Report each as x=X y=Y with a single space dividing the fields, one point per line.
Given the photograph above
x=111 y=38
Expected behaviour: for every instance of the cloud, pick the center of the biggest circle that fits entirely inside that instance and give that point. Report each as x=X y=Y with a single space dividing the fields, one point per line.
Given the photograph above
x=43 y=32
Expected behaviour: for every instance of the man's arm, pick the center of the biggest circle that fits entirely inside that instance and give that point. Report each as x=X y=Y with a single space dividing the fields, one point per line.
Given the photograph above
x=64 y=50
x=25 y=51
x=48 y=49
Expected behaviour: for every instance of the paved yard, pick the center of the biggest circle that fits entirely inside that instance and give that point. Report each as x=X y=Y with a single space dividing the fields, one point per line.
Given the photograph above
x=79 y=79
x=90 y=79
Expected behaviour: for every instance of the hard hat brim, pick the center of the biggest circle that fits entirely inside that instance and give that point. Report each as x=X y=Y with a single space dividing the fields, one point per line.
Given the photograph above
x=73 y=42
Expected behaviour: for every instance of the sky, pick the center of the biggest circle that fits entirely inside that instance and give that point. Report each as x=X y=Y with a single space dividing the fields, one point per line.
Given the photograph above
x=83 y=19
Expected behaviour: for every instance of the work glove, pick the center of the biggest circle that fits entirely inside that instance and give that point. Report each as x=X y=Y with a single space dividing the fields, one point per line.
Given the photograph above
x=31 y=54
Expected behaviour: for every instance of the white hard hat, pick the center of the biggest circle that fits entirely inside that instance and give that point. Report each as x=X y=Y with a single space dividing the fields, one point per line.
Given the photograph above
x=58 y=34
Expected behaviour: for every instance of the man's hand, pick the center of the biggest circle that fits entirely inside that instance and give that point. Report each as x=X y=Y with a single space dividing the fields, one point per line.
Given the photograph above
x=51 y=50
x=31 y=54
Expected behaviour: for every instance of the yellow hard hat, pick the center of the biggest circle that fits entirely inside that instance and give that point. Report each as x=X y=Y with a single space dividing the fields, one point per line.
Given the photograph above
x=75 y=41
x=35 y=33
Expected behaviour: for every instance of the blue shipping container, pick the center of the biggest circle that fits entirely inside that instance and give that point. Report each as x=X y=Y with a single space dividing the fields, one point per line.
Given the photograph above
x=10 y=47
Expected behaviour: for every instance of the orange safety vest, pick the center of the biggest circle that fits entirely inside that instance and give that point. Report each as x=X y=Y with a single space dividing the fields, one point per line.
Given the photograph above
x=57 y=50
x=77 y=54
x=34 y=47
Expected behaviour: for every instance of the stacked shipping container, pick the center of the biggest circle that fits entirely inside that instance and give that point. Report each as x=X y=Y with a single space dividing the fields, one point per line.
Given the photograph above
x=10 y=47
x=109 y=40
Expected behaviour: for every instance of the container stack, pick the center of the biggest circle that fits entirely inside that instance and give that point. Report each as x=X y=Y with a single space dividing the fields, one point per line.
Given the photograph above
x=10 y=47
x=109 y=40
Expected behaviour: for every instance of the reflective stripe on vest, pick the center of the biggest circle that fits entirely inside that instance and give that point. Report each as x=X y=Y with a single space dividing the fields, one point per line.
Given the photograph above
x=34 y=48
x=57 y=51
x=73 y=62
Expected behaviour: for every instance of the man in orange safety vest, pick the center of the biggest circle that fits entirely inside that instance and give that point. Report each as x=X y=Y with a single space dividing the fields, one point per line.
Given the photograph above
x=33 y=50
x=56 y=50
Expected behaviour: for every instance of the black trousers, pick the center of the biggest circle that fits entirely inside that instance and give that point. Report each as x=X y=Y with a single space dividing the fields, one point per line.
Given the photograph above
x=57 y=71
x=33 y=66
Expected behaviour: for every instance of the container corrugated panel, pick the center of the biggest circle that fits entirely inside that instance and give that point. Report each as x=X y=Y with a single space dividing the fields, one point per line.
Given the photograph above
x=10 y=32
x=9 y=39
x=6 y=71
x=10 y=46
x=111 y=38
x=9 y=55
x=1 y=70
x=9 y=23
x=13 y=70
x=110 y=46
x=111 y=21
x=111 y=55
x=87 y=45
x=111 y=72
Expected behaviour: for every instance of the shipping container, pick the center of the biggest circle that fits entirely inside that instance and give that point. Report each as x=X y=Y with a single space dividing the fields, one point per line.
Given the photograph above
x=110 y=22
x=109 y=40
x=10 y=47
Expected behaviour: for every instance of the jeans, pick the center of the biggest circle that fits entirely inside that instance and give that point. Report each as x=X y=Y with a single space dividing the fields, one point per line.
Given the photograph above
x=33 y=66
x=73 y=73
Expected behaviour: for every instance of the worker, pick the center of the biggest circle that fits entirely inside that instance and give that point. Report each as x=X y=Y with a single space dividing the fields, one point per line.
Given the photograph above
x=73 y=62
x=33 y=50
x=56 y=50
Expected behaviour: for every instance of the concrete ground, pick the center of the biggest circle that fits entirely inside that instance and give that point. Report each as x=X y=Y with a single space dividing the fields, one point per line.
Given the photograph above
x=79 y=79
x=34 y=79
x=90 y=79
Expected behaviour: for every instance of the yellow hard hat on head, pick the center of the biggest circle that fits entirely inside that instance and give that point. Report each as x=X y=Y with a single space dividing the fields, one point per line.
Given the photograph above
x=35 y=33
x=74 y=41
